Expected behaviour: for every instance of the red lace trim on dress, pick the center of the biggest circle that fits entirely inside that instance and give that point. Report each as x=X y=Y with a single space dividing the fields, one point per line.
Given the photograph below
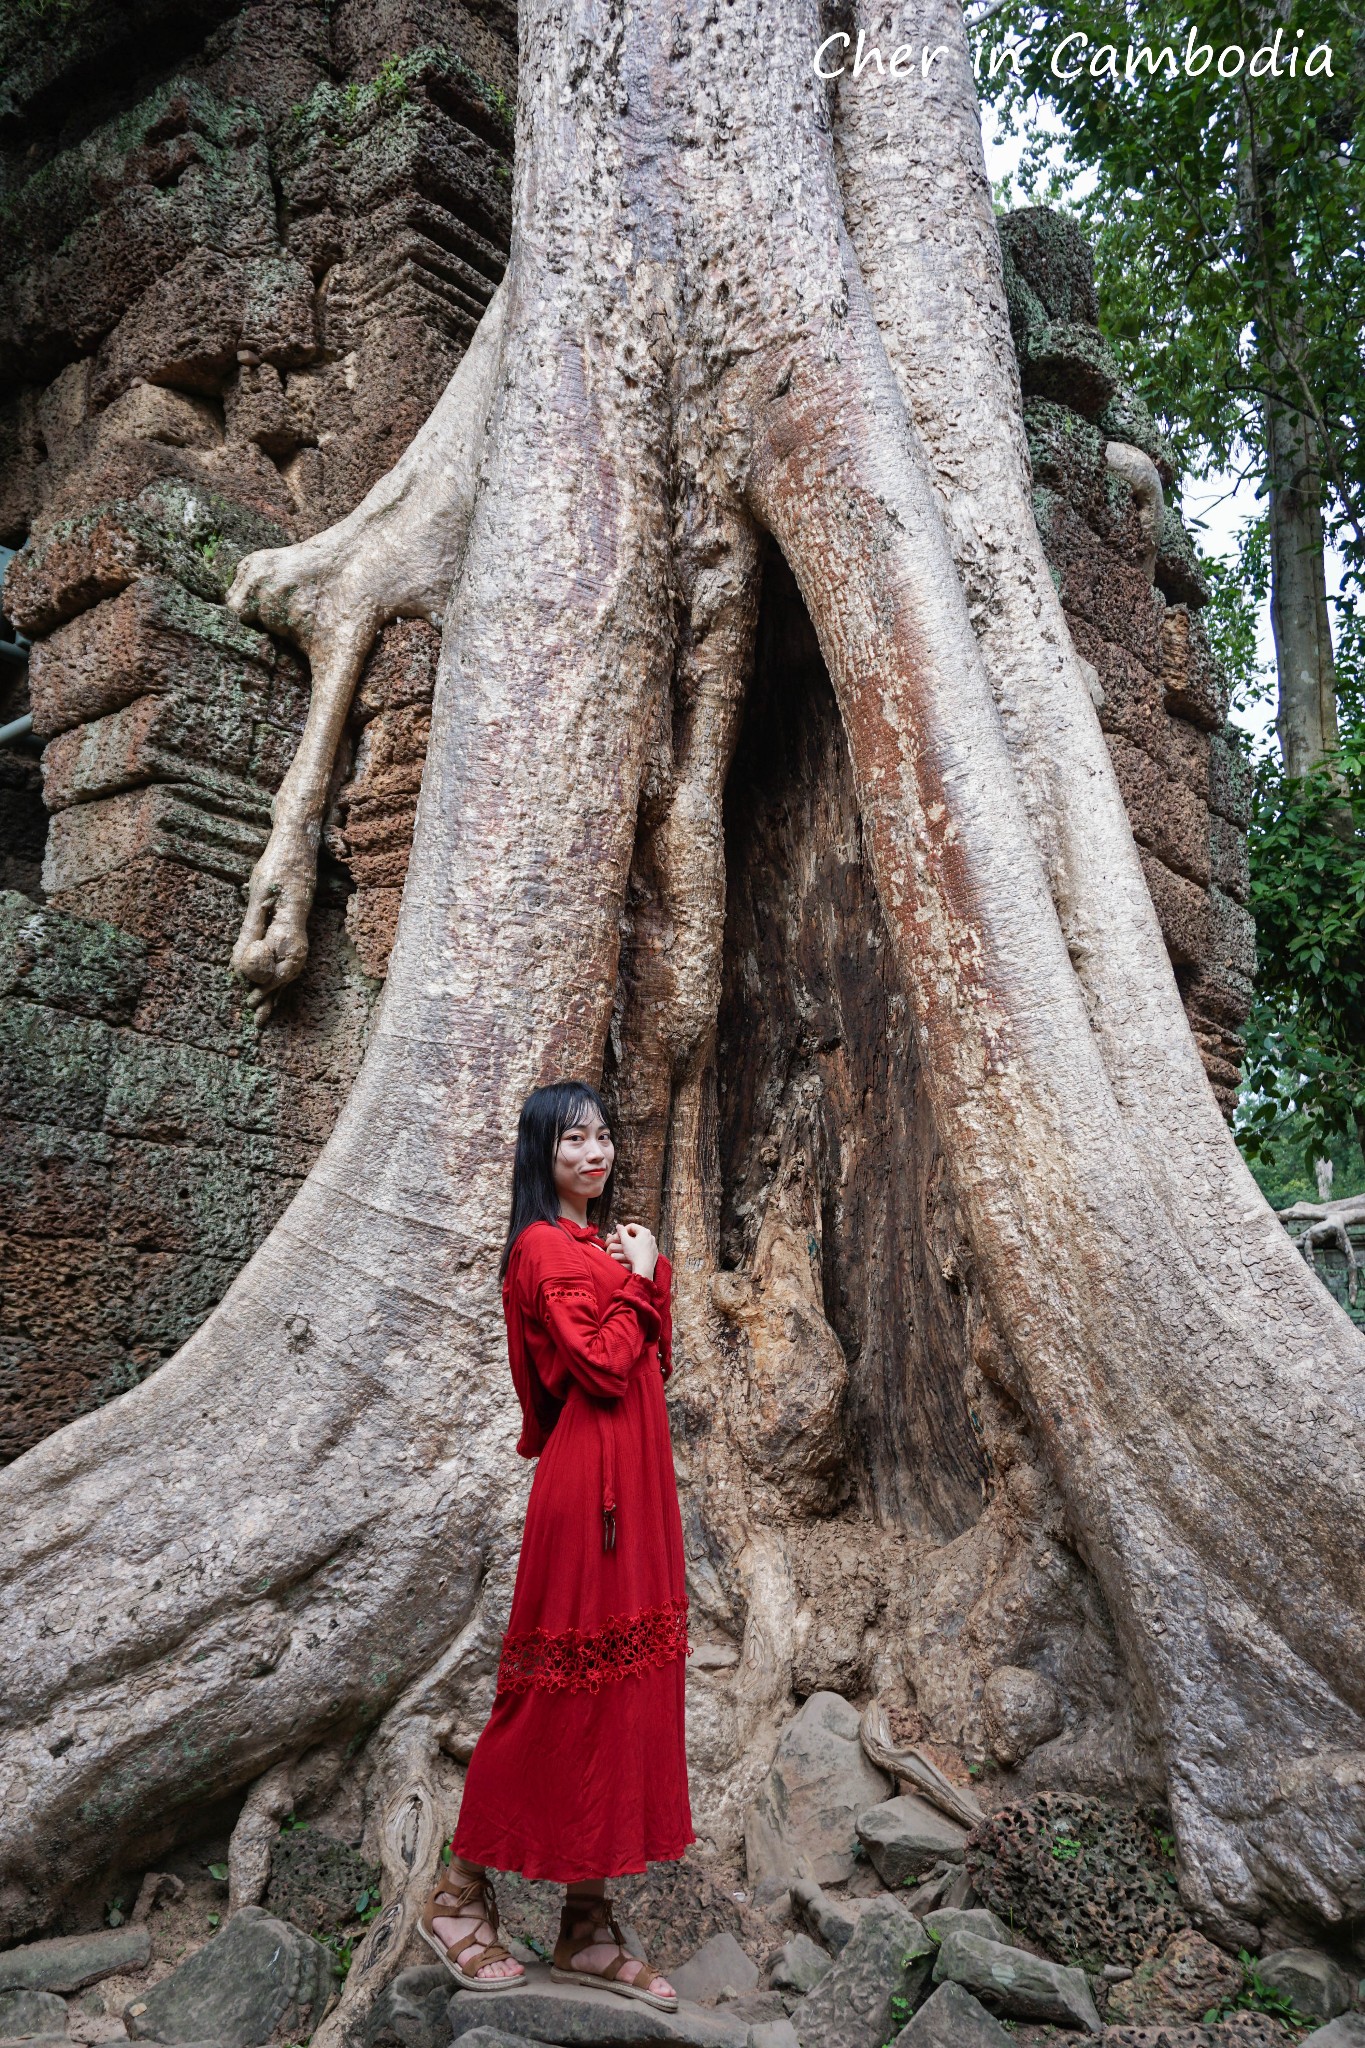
x=584 y=1660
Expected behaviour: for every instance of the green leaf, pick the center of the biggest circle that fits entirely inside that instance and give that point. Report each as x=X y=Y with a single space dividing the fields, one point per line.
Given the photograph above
x=219 y=1871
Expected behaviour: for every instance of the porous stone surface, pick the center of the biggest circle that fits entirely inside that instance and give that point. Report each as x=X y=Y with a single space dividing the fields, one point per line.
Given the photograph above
x=952 y=2018
x=1316 y=1986
x=877 y=1980
x=24 y=2014
x=1011 y=1981
x=1239 y=2030
x=315 y=1880
x=905 y=1837
x=1088 y=1880
x=799 y=1965
x=719 y=1968
x=1187 y=1979
x=803 y=1822
x=71 y=1961
x=581 y=2016
x=257 y=1975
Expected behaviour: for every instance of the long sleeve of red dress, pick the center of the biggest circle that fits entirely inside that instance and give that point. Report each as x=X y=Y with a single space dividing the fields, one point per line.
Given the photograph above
x=581 y=1769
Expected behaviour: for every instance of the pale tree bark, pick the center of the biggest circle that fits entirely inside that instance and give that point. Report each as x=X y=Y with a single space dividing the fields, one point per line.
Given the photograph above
x=305 y=1525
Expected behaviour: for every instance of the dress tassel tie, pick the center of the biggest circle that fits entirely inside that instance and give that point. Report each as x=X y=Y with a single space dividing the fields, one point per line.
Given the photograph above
x=607 y=1436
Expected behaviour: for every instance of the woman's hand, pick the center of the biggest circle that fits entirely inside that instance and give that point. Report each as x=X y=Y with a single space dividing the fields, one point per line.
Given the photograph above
x=635 y=1247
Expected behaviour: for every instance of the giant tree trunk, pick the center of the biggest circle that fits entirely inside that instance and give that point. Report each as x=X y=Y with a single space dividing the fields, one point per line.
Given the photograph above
x=305 y=1526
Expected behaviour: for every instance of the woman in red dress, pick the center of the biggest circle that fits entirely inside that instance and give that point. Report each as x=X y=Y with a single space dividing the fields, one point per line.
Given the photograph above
x=580 y=1774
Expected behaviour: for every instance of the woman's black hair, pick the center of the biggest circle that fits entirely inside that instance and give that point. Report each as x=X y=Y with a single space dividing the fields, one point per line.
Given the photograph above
x=545 y=1116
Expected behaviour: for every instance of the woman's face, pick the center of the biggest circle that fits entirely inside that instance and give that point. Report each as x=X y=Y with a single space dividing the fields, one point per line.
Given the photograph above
x=583 y=1158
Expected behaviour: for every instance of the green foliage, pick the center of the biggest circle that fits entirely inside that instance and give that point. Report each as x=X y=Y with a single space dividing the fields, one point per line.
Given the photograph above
x=1065 y=1848
x=1303 y=1096
x=1226 y=216
x=219 y=1872
x=1256 y=1995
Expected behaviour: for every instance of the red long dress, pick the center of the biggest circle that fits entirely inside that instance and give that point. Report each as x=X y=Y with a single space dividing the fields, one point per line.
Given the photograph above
x=581 y=1770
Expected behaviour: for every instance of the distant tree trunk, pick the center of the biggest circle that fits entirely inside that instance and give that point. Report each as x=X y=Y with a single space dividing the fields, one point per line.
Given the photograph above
x=1306 y=719
x=739 y=315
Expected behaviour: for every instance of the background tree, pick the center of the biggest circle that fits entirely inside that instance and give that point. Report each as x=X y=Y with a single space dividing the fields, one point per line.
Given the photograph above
x=1226 y=215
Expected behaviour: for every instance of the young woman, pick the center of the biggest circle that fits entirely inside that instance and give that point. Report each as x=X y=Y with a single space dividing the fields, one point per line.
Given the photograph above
x=580 y=1774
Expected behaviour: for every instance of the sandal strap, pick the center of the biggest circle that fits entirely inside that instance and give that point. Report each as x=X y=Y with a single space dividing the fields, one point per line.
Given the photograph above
x=459 y=1899
x=597 y=1913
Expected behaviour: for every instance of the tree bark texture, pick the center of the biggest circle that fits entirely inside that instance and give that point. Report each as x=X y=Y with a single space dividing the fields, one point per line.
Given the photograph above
x=740 y=577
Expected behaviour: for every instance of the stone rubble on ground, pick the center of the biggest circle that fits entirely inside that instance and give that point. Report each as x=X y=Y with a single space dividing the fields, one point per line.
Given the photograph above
x=719 y=1969
x=946 y=1920
x=535 y=2008
x=799 y=1965
x=1347 y=2031
x=72 y=1961
x=27 y=2014
x=877 y=1980
x=803 y=1821
x=1020 y=1985
x=1187 y=1979
x=952 y=2018
x=1314 y=1984
x=257 y=1976
x=906 y=1837
x=833 y=1920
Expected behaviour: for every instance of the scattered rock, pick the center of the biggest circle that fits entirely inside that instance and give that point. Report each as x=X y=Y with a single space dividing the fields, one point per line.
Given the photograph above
x=155 y=1886
x=1346 y=2032
x=802 y=1823
x=492 y=2037
x=946 y=1920
x=905 y=1837
x=952 y=2018
x=1185 y=1981
x=1315 y=1985
x=24 y=2014
x=74 y=1960
x=315 y=1880
x=581 y=2016
x=799 y=1966
x=1085 y=1879
x=932 y=1892
x=875 y=1984
x=774 y=2034
x=719 y=1969
x=411 y=2009
x=831 y=1920
x=960 y=1895
x=1011 y=1981
x=756 y=2008
x=258 y=1974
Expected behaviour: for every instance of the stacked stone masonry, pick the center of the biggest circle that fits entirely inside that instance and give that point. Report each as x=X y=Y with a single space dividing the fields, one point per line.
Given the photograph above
x=249 y=245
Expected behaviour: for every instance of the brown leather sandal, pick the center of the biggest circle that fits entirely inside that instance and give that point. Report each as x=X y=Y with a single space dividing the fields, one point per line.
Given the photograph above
x=454 y=1898
x=579 y=1923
